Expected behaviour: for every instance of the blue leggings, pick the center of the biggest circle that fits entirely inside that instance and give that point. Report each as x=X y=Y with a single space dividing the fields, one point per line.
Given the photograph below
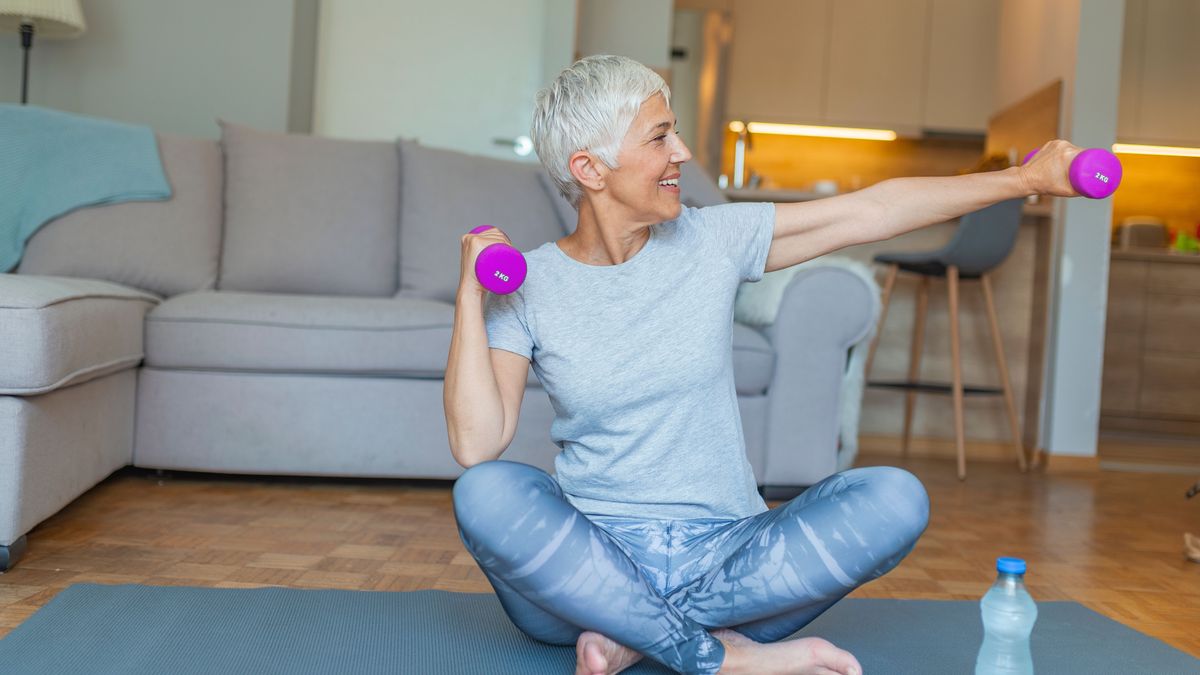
x=659 y=586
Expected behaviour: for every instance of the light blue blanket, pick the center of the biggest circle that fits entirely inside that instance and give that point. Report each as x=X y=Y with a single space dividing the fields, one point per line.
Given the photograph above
x=52 y=162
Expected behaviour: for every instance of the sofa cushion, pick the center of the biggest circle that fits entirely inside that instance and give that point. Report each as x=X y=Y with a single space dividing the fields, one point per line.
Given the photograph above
x=444 y=194
x=392 y=337
x=59 y=331
x=166 y=247
x=753 y=361
x=305 y=214
x=270 y=332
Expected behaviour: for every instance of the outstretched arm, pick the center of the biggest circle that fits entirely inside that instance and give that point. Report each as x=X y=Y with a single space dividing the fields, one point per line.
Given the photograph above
x=892 y=207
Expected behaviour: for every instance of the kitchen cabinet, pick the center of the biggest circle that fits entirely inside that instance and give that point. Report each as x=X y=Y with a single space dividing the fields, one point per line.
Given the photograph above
x=903 y=65
x=877 y=64
x=1159 y=101
x=1151 y=379
x=777 y=63
x=960 y=81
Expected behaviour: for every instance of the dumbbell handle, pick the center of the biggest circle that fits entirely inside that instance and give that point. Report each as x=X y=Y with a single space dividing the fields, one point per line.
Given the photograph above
x=500 y=268
x=1095 y=173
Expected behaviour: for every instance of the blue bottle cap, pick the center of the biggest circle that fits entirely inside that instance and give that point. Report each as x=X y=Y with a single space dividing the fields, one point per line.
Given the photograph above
x=1010 y=565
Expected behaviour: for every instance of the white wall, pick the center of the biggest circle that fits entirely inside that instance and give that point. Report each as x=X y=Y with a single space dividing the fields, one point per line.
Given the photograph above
x=1080 y=42
x=639 y=29
x=175 y=65
x=1072 y=410
x=687 y=32
x=452 y=74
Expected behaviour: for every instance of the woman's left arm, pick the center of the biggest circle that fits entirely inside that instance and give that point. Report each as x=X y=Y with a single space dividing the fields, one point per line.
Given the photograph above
x=805 y=230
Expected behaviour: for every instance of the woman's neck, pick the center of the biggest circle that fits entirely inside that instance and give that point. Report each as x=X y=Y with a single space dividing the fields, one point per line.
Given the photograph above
x=604 y=239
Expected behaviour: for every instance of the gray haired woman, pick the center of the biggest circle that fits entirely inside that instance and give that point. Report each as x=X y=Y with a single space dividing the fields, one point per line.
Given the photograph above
x=651 y=538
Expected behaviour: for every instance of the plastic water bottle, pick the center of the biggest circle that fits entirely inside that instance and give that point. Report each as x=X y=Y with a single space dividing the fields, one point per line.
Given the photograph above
x=1008 y=614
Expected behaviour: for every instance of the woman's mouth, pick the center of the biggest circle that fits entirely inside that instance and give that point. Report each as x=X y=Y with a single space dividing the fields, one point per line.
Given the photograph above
x=670 y=184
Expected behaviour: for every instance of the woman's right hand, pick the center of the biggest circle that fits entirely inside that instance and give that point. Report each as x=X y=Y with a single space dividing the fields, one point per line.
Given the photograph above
x=472 y=246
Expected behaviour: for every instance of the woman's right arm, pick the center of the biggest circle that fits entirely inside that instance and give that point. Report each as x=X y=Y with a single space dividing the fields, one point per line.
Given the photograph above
x=484 y=387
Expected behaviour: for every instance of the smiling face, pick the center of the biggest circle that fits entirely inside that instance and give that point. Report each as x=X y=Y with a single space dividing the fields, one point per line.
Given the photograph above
x=647 y=181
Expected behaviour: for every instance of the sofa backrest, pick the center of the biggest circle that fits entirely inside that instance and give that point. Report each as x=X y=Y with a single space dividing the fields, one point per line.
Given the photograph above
x=444 y=194
x=308 y=215
x=166 y=247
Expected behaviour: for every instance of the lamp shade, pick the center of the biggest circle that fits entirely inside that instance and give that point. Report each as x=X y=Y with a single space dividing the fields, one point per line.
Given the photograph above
x=50 y=18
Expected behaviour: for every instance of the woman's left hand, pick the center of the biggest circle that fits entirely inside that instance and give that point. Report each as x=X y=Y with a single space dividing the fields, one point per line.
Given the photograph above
x=1048 y=172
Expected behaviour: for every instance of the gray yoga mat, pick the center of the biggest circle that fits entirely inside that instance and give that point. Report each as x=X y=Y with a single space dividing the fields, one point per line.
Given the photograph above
x=91 y=628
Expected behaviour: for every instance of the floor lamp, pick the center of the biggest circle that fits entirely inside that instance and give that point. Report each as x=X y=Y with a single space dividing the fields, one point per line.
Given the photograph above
x=47 y=18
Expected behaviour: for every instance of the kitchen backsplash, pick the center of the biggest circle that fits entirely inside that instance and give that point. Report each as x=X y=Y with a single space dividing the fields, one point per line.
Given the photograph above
x=1164 y=187
x=797 y=162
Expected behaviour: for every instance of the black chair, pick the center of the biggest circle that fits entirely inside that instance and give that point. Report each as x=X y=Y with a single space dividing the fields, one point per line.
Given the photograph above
x=983 y=240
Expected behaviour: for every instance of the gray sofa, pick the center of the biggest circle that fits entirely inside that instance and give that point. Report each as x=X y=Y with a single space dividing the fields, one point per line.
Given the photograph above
x=289 y=309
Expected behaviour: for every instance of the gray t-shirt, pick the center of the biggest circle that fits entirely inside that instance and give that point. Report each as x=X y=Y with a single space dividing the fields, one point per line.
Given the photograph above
x=637 y=359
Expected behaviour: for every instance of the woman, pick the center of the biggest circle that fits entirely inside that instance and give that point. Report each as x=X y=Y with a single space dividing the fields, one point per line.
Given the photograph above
x=651 y=539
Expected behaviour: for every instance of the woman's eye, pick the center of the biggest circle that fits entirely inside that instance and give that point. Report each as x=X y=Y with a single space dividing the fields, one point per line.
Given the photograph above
x=659 y=138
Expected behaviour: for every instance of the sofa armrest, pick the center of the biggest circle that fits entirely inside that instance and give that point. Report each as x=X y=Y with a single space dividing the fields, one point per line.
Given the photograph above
x=58 y=331
x=824 y=312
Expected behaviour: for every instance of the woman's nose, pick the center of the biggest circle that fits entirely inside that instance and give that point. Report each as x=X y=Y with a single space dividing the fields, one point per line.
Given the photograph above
x=680 y=152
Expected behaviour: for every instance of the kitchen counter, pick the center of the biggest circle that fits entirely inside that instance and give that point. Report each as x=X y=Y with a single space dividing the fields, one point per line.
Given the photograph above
x=761 y=195
x=1155 y=255
x=1151 y=376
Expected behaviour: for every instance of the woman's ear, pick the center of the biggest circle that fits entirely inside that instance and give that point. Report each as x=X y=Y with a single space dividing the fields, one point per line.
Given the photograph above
x=587 y=170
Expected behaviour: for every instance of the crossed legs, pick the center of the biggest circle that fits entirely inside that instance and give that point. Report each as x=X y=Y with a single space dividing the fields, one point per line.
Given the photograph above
x=558 y=574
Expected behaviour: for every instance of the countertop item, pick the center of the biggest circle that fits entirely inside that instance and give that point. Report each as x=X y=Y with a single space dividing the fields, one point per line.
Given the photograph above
x=1141 y=232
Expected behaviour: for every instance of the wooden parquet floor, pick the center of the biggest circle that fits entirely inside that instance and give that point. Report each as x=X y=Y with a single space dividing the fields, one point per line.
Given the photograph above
x=1111 y=541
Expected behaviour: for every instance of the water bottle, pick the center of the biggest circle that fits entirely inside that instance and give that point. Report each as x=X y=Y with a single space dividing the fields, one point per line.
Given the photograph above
x=1008 y=614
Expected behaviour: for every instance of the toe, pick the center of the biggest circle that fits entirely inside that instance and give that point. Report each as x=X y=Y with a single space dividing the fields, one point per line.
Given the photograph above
x=842 y=661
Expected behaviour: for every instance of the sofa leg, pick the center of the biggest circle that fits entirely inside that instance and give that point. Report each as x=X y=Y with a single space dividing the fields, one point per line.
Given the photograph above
x=11 y=553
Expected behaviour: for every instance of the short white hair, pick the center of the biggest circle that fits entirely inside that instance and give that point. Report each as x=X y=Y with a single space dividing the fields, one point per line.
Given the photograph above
x=590 y=106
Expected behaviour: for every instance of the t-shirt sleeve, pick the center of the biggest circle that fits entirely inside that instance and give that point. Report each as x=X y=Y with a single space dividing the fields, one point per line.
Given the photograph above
x=504 y=316
x=742 y=232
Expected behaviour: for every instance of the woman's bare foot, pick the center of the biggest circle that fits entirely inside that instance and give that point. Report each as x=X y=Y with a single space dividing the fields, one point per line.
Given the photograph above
x=598 y=655
x=805 y=656
x=729 y=636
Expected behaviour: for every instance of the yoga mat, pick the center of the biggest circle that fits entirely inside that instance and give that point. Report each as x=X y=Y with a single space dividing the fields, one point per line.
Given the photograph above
x=132 y=629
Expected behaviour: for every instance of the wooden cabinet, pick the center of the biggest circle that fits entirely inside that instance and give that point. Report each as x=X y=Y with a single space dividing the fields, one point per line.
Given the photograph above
x=1160 y=73
x=877 y=63
x=960 y=82
x=1123 y=337
x=777 y=64
x=902 y=64
x=1151 y=379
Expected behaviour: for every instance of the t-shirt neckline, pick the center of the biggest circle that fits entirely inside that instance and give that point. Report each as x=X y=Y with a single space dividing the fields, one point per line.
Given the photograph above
x=650 y=242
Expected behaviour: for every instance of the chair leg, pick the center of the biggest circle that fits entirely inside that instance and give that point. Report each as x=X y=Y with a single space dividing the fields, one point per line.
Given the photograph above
x=956 y=365
x=1002 y=366
x=914 y=362
x=887 y=296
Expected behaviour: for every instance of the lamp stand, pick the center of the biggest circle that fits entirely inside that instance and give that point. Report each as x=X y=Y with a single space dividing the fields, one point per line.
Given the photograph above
x=26 y=43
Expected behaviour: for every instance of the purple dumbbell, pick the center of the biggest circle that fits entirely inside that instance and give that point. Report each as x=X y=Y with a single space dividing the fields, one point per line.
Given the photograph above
x=499 y=268
x=1095 y=173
